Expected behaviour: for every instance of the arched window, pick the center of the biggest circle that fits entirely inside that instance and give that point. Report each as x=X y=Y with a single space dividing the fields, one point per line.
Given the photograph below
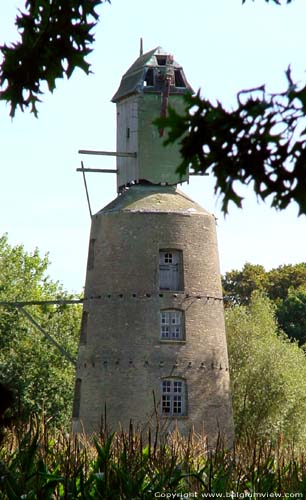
x=172 y=324
x=173 y=397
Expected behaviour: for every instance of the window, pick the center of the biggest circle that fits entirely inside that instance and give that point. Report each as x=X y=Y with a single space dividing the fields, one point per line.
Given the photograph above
x=149 y=80
x=179 y=80
x=173 y=402
x=171 y=325
x=168 y=258
x=161 y=60
x=171 y=270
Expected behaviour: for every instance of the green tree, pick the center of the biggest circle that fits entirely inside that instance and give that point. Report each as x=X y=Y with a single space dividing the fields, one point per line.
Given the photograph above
x=291 y=315
x=41 y=378
x=276 y=283
x=261 y=141
x=268 y=374
x=235 y=146
x=238 y=286
x=55 y=38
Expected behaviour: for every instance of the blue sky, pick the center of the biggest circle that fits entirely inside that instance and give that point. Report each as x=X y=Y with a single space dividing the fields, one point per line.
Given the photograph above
x=223 y=47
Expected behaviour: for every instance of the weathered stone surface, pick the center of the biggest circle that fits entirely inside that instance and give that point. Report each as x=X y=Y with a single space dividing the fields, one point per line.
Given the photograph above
x=122 y=359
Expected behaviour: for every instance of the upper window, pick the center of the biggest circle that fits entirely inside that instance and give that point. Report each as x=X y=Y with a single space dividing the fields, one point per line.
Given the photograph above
x=161 y=60
x=179 y=80
x=149 y=79
x=173 y=401
x=170 y=270
x=171 y=325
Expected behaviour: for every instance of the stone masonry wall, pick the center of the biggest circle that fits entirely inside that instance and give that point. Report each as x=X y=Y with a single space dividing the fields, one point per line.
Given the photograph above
x=121 y=358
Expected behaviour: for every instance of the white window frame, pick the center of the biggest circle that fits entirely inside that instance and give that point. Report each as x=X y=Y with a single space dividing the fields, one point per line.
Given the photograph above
x=173 y=397
x=172 y=324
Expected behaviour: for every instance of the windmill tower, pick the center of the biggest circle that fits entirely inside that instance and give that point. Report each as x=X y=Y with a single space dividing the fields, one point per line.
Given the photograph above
x=153 y=321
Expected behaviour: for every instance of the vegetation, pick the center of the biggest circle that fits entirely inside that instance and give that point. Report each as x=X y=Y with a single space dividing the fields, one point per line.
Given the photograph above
x=268 y=374
x=36 y=464
x=56 y=38
x=291 y=314
x=268 y=379
x=284 y=285
x=260 y=142
x=267 y=371
x=41 y=379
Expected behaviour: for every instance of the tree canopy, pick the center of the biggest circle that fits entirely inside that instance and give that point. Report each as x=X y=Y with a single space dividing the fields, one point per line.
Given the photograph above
x=55 y=38
x=285 y=286
x=40 y=377
x=238 y=286
x=268 y=374
x=261 y=142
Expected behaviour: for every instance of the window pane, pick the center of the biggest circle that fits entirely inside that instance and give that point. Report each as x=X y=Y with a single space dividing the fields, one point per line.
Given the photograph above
x=178 y=315
x=165 y=332
x=165 y=318
x=166 y=404
x=168 y=258
x=166 y=386
x=177 y=386
x=177 y=332
x=177 y=405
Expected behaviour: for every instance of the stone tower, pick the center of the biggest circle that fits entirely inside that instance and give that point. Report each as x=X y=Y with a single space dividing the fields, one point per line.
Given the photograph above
x=152 y=337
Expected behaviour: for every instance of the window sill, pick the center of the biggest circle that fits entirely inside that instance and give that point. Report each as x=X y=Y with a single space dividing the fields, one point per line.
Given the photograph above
x=174 y=417
x=168 y=341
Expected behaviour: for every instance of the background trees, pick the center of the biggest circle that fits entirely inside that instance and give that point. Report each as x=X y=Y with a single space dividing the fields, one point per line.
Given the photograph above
x=268 y=374
x=284 y=285
x=276 y=283
x=291 y=315
x=36 y=371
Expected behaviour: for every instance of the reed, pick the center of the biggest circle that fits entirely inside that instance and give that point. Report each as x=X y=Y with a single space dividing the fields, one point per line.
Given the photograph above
x=37 y=462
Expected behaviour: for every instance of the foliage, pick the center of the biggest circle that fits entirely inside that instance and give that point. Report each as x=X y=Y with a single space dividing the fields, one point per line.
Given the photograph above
x=291 y=315
x=56 y=37
x=284 y=285
x=261 y=142
x=268 y=374
x=37 y=372
x=130 y=466
x=238 y=286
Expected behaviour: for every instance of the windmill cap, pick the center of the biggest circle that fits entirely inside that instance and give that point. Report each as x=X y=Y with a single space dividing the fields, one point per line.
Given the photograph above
x=145 y=73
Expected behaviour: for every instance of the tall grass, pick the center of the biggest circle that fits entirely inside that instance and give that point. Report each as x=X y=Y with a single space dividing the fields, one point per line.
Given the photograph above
x=40 y=464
